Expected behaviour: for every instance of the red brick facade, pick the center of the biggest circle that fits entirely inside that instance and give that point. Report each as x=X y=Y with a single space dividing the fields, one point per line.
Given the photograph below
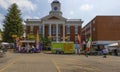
x=72 y=31
x=103 y=28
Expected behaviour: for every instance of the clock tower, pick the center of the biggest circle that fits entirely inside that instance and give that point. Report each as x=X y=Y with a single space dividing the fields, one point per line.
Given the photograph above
x=56 y=8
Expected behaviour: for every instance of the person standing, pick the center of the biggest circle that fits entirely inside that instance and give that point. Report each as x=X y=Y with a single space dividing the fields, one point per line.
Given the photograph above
x=28 y=47
x=33 y=49
x=116 y=52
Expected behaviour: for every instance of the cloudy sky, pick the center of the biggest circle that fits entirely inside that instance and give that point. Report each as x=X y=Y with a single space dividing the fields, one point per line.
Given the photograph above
x=72 y=9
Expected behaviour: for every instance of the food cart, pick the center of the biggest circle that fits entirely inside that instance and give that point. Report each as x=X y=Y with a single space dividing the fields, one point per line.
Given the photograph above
x=27 y=46
x=62 y=47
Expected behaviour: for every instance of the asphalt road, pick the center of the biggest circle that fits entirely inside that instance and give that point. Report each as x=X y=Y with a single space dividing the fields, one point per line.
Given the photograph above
x=28 y=63
x=40 y=62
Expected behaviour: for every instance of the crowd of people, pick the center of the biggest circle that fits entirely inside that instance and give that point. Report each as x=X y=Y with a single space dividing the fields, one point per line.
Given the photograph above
x=104 y=51
x=28 y=48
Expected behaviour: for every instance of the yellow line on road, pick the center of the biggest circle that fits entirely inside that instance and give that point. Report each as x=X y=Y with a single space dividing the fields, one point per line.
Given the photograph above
x=8 y=65
x=70 y=59
x=58 y=69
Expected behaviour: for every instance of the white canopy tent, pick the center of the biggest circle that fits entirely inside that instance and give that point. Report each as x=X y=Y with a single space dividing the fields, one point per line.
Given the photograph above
x=4 y=43
x=113 y=45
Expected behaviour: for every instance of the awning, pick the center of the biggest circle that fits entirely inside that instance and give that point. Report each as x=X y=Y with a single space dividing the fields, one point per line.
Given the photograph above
x=28 y=41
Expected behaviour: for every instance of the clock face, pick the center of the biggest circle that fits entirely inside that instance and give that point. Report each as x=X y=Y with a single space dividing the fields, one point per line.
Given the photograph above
x=55 y=8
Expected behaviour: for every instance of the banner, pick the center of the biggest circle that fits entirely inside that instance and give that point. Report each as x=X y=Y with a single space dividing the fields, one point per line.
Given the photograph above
x=89 y=41
x=79 y=41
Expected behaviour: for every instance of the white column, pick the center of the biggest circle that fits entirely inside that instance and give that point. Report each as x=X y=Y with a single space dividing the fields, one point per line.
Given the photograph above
x=43 y=29
x=56 y=32
x=63 y=32
x=50 y=29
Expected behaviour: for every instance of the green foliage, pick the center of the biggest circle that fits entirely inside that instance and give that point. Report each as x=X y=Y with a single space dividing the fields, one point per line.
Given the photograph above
x=46 y=41
x=1 y=31
x=12 y=24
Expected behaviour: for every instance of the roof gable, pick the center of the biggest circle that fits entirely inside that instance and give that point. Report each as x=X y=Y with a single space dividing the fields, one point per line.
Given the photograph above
x=52 y=17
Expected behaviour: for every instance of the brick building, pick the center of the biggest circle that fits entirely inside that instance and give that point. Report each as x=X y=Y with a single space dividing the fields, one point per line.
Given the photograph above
x=55 y=25
x=103 y=30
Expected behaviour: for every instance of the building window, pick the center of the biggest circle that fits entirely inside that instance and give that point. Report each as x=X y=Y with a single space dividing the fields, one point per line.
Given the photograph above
x=76 y=39
x=54 y=29
x=31 y=29
x=31 y=32
x=76 y=29
x=54 y=38
x=94 y=29
x=59 y=38
x=68 y=38
x=94 y=22
x=68 y=29
x=40 y=29
x=49 y=29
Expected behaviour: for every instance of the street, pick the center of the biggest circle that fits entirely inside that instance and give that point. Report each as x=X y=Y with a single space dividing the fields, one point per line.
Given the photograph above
x=41 y=62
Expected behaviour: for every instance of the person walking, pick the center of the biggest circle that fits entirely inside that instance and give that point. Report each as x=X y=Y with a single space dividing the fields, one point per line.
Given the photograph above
x=33 y=49
x=87 y=50
x=105 y=52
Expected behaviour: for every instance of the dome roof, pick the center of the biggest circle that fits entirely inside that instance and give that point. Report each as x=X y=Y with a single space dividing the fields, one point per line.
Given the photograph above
x=55 y=1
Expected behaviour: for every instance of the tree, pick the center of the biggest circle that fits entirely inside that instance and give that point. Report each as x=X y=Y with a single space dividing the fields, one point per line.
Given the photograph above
x=0 y=31
x=12 y=24
x=46 y=42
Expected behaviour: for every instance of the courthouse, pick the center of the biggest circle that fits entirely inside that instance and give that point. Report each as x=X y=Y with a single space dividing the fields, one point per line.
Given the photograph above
x=55 y=26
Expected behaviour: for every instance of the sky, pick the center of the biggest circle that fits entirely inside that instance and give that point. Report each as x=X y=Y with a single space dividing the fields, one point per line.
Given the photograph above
x=85 y=10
